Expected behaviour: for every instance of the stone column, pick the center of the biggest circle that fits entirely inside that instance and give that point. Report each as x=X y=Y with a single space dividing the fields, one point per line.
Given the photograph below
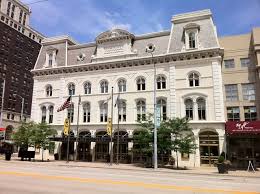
x=196 y=159
x=195 y=110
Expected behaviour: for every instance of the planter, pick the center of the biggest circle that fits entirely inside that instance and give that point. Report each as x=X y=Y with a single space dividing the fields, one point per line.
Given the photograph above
x=222 y=168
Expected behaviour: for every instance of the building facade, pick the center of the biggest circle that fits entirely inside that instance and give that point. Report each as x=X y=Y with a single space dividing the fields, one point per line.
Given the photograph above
x=19 y=48
x=240 y=72
x=188 y=83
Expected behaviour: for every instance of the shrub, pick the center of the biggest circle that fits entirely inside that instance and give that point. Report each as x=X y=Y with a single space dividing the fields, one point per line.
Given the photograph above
x=221 y=159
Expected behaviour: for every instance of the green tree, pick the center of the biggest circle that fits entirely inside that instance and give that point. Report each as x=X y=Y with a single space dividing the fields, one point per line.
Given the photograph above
x=173 y=134
x=40 y=137
x=23 y=136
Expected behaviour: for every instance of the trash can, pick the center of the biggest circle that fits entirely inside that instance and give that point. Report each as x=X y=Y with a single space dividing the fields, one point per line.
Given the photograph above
x=56 y=156
x=8 y=156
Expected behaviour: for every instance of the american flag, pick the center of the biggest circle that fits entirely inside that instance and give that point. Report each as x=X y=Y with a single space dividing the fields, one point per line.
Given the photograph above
x=65 y=105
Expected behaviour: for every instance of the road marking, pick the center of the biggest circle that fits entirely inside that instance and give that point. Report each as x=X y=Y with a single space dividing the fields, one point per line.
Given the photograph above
x=125 y=183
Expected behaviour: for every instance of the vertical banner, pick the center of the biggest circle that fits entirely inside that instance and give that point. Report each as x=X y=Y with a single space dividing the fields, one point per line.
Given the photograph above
x=158 y=116
x=66 y=127
x=109 y=126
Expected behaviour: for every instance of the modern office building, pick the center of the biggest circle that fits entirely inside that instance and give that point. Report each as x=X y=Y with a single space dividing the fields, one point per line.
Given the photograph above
x=188 y=80
x=240 y=72
x=19 y=48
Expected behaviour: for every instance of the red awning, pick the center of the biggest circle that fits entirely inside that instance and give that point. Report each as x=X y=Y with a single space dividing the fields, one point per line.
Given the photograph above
x=243 y=127
x=2 y=129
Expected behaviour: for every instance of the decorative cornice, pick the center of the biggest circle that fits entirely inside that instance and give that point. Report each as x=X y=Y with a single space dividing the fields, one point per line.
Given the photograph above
x=113 y=35
x=191 y=16
x=132 y=62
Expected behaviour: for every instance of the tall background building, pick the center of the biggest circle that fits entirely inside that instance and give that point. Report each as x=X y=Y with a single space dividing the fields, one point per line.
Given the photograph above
x=19 y=48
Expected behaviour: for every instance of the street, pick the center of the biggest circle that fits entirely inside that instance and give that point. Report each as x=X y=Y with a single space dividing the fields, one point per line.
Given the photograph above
x=28 y=177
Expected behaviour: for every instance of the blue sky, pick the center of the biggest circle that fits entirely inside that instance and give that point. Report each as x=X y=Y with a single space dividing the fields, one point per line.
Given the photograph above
x=85 y=19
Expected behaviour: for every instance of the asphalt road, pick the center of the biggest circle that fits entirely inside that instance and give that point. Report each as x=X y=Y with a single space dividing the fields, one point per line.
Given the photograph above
x=28 y=178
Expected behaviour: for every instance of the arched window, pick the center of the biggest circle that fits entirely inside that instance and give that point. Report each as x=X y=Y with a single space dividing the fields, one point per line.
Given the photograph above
x=121 y=85
x=48 y=90
x=161 y=103
x=71 y=113
x=103 y=112
x=140 y=83
x=141 y=110
x=161 y=82
x=201 y=108
x=189 y=108
x=192 y=41
x=86 y=113
x=71 y=89
x=44 y=110
x=193 y=79
x=51 y=114
x=104 y=87
x=122 y=111
x=87 y=88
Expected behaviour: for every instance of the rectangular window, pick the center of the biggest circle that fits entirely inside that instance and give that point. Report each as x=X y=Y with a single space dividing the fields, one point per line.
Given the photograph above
x=8 y=8
x=248 y=91
x=231 y=92
x=233 y=114
x=21 y=16
x=245 y=62
x=230 y=63
x=24 y=18
x=50 y=59
x=12 y=14
x=250 y=113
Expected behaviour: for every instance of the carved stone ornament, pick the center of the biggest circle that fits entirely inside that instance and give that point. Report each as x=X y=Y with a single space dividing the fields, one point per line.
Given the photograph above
x=81 y=57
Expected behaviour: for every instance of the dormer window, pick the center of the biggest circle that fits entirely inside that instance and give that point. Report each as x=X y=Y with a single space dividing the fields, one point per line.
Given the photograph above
x=191 y=32
x=51 y=58
x=192 y=42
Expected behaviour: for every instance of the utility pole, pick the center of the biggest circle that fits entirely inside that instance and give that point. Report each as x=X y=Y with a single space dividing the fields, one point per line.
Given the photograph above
x=77 y=138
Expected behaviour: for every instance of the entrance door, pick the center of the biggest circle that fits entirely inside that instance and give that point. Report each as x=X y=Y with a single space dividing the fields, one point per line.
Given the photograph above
x=209 y=147
x=123 y=147
x=102 y=147
x=84 y=146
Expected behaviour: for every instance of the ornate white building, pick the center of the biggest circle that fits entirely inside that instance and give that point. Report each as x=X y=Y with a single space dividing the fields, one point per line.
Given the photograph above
x=189 y=83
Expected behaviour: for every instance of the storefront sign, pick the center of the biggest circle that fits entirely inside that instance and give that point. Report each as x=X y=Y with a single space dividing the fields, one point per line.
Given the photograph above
x=243 y=127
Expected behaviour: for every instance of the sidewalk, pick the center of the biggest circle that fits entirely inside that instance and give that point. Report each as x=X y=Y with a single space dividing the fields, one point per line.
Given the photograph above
x=212 y=171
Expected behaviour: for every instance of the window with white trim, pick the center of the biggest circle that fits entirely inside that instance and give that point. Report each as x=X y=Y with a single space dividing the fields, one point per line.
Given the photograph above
x=70 y=111
x=103 y=112
x=51 y=114
x=104 y=87
x=140 y=83
x=87 y=88
x=189 y=109
x=48 y=90
x=192 y=40
x=122 y=111
x=248 y=91
x=162 y=105
x=86 y=112
x=201 y=108
x=122 y=85
x=161 y=82
x=44 y=112
x=71 y=89
x=50 y=60
x=141 y=110
x=193 y=79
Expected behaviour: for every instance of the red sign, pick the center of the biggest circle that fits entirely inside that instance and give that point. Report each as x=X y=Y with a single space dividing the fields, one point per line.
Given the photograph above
x=2 y=129
x=243 y=127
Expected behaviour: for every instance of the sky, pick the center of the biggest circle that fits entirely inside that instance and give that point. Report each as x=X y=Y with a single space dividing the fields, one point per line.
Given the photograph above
x=84 y=20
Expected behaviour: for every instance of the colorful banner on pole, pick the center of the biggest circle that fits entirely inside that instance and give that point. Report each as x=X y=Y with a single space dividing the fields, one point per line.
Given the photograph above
x=66 y=127
x=158 y=116
x=109 y=126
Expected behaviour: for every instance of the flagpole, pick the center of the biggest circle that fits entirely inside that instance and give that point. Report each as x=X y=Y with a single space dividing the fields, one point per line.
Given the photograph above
x=117 y=148
x=68 y=143
x=77 y=138
x=111 y=136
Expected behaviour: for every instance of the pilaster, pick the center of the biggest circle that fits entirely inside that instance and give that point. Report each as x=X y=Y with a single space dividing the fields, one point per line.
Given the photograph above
x=172 y=92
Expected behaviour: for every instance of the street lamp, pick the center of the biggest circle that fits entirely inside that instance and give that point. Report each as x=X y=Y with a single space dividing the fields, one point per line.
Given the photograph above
x=22 y=105
x=150 y=48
